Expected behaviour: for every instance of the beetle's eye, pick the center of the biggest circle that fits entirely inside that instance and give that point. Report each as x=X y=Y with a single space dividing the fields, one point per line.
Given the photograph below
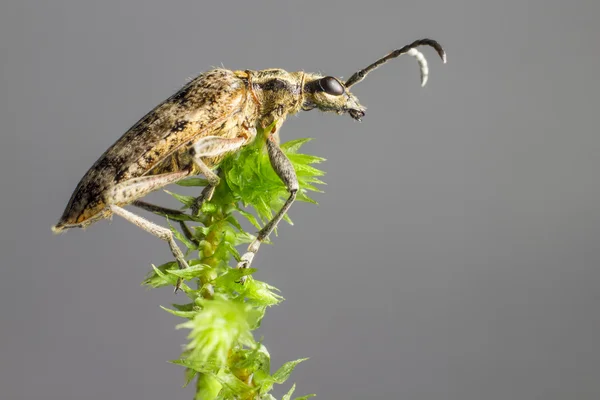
x=331 y=86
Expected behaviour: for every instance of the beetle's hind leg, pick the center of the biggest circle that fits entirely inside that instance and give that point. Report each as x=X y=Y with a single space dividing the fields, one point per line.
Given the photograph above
x=128 y=191
x=156 y=230
x=211 y=146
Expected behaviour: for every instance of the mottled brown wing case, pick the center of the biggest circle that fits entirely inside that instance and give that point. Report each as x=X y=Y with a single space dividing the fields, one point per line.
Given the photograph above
x=196 y=110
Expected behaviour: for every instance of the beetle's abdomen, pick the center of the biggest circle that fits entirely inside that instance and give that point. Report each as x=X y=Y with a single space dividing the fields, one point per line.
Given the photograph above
x=199 y=109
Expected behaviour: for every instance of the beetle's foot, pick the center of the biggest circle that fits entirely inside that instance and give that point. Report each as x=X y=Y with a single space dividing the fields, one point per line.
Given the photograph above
x=245 y=262
x=206 y=195
x=178 y=285
x=182 y=265
x=246 y=259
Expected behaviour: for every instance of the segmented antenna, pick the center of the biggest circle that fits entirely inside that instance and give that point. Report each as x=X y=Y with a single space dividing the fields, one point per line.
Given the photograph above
x=409 y=49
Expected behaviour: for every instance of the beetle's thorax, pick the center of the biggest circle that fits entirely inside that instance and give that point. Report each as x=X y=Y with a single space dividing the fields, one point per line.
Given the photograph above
x=276 y=92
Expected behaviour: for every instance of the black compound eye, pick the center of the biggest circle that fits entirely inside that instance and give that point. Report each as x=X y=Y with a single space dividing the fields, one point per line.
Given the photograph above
x=331 y=86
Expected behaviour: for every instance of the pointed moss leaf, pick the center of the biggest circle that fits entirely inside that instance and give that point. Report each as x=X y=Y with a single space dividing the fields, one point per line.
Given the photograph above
x=243 y=238
x=187 y=201
x=303 y=197
x=304 y=170
x=182 y=314
x=233 y=221
x=314 y=180
x=207 y=387
x=233 y=276
x=231 y=248
x=261 y=293
x=159 y=277
x=306 y=186
x=251 y=218
x=232 y=385
x=189 y=375
x=195 y=271
x=305 y=159
x=193 y=181
x=285 y=371
x=308 y=396
x=260 y=358
x=288 y=219
x=205 y=367
x=293 y=146
x=256 y=315
x=288 y=395
x=185 y=307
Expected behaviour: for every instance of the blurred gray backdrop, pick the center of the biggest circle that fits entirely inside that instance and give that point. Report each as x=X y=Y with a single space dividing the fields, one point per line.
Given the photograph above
x=454 y=255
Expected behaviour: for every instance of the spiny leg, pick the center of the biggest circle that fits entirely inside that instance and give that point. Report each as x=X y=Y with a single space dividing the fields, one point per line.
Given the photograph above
x=211 y=146
x=127 y=192
x=284 y=169
x=167 y=213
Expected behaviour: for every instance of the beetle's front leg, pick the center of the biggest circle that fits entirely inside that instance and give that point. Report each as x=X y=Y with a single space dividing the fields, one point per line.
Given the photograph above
x=284 y=169
x=211 y=146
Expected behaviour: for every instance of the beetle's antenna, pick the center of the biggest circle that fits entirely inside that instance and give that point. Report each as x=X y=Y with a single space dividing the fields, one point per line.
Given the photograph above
x=409 y=49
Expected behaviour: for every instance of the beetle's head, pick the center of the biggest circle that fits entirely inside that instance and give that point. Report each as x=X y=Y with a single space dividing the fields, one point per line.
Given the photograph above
x=330 y=94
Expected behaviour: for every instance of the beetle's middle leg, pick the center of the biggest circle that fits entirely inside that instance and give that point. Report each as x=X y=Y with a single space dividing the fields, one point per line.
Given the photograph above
x=211 y=146
x=285 y=170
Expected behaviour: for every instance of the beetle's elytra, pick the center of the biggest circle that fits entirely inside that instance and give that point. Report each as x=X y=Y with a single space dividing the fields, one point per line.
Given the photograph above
x=191 y=132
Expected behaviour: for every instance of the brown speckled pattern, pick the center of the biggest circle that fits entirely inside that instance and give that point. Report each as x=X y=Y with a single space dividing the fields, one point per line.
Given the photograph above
x=220 y=102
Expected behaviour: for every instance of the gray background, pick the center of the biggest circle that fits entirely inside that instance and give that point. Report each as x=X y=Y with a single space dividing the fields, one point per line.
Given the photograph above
x=455 y=254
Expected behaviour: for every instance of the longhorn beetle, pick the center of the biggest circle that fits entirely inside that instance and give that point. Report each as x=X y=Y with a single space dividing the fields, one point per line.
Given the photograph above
x=192 y=131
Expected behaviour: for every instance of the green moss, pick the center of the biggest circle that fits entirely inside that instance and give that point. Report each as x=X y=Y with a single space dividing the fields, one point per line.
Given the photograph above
x=222 y=354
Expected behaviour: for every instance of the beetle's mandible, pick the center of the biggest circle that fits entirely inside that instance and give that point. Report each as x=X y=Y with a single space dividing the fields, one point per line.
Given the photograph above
x=215 y=114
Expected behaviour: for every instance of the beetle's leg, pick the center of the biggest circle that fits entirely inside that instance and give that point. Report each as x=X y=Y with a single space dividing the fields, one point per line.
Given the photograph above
x=284 y=169
x=211 y=146
x=156 y=230
x=167 y=213
x=132 y=189
x=158 y=210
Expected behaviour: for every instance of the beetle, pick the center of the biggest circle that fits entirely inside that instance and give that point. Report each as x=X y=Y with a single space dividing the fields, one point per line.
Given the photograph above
x=192 y=131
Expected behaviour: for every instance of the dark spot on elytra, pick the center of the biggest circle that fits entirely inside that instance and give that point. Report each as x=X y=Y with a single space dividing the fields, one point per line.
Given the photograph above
x=179 y=125
x=142 y=129
x=119 y=175
x=183 y=96
x=104 y=163
x=92 y=186
x=149 y=159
